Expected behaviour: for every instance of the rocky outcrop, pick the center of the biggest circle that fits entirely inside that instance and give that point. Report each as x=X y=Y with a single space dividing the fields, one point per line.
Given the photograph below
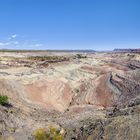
x=135 y=64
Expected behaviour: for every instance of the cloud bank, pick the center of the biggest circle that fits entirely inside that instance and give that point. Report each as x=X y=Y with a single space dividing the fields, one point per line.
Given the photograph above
x=13 y=42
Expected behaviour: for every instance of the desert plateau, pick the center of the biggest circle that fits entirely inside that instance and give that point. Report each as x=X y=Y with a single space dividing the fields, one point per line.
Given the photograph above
x=82 y=95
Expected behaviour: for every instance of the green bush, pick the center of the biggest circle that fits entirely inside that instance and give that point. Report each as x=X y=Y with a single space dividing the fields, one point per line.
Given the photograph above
x=43 y=58
x=3 y=100
x=54 y=134
x=80 y=56
x=40 y=134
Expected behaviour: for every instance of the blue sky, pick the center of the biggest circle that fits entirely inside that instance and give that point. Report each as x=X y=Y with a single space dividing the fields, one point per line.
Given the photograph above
x=69 y=24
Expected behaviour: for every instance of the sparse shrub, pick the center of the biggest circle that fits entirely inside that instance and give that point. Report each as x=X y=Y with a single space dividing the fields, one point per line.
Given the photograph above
x=77 y=90
x=80 y=56
x=3 y=100
x=53 y=134
x=44 y=58
x=40 y=134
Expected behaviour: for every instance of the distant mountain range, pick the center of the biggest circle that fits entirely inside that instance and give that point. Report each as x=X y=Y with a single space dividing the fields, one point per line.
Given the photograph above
x=65 y=50
x=14 y=50
x=127 y=50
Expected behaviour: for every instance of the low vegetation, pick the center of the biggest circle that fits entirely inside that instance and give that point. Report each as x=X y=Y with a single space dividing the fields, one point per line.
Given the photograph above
x=80 y=56
x=3 y=100
x=43 y=58
x=53 y=134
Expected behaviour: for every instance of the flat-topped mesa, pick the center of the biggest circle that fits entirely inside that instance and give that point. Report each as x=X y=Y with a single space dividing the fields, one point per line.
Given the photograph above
x=127 y=50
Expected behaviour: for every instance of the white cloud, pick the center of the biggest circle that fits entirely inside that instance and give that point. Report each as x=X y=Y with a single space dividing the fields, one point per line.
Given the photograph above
x=15 y=42
x=12 y=36
x=38 y=45
x=9 y=43
x=4 y=43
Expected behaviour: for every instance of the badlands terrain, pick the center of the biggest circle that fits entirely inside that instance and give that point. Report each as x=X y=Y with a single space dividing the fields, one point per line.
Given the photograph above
x=87 y=96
